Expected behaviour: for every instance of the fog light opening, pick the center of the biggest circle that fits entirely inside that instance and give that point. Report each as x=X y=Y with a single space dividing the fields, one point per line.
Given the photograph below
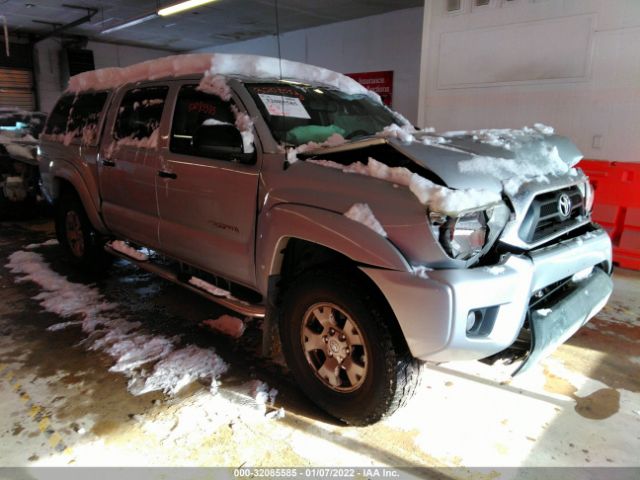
x=474 y=319
x=480 y=322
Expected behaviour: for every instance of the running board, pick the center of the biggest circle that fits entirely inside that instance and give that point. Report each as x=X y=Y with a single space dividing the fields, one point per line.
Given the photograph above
x=249 y=310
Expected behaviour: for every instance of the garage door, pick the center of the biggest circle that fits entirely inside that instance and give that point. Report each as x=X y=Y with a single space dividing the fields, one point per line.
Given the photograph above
x=16 y=88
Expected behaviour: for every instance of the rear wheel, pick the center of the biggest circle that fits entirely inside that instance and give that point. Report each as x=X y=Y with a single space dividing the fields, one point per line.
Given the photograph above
x=83 y=245
x=340 y=348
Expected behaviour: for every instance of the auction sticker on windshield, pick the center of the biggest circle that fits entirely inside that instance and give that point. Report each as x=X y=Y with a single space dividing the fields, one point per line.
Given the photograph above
x=281 y=106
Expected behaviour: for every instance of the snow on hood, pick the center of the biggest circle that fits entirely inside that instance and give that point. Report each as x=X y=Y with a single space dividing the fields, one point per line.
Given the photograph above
x=18 y=145
x=435 y=197
x=497 y=160
x=213 y=64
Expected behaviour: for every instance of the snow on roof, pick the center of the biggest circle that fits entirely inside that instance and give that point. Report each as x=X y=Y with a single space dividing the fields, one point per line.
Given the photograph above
x=215 y=64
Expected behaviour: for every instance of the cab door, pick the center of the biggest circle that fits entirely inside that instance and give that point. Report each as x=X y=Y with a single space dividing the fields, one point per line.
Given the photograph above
x=206 y=195
x=129 y=164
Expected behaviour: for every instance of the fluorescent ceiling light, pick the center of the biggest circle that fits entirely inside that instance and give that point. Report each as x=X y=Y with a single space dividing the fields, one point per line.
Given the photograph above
x=130 y=23
x=182 y=6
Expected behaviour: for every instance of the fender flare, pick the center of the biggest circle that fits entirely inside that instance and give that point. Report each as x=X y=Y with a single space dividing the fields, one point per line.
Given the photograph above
x=328 y=229
x=70 y=174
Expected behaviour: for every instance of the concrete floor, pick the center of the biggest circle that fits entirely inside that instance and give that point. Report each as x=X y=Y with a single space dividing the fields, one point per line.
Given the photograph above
x=62 y=406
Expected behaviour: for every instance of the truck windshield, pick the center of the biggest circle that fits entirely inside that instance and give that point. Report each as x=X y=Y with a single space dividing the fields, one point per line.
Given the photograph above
x=297 y=114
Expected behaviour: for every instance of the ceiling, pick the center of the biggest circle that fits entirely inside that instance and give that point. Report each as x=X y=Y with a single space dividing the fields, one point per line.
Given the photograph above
x=220 y=22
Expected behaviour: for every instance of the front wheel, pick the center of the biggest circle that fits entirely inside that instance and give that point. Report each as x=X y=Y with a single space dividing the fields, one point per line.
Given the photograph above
x=83 y=245
x=337 y=340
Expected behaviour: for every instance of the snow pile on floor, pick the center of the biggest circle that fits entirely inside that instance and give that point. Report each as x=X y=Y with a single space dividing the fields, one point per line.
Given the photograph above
x=180 y=368
x=435 y=197
x=228 y=325
x=215 y=64
x=361 y=213
x=535 y=158
x=33 y=246
x=333 y=140
x=264 y=398
x=122 y=247
x=132 y=349
x=209 y=288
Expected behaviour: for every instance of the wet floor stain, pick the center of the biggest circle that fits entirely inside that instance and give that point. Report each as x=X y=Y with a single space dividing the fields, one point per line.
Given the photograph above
x=17 y=429
x=599 y=405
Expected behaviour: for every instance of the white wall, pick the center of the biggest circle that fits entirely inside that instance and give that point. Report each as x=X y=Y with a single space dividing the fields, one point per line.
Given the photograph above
x=573 y=64
x=389 y=41
x=47 y=60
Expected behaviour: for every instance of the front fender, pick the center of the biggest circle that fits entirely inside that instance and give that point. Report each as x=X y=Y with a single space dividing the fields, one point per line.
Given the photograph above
x=331 y=230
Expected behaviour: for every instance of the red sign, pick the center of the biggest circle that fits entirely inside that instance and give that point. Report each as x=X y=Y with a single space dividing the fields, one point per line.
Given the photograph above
x=379 y=82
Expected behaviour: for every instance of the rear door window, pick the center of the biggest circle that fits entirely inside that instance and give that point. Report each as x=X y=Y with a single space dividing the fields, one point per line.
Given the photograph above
x=193 y=110
x=59 y=117
x=140 y=113
x=84 y=117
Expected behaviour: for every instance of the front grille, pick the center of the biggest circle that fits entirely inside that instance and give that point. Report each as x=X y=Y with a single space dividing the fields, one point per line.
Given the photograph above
x=544 y=219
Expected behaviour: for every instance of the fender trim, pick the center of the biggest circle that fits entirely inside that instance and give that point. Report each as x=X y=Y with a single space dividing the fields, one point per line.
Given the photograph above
x=325 y=228
x=70 y=174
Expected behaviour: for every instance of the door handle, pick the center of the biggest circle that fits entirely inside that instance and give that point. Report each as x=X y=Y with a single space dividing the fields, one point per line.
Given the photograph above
x=108 y=163
x=163 y=174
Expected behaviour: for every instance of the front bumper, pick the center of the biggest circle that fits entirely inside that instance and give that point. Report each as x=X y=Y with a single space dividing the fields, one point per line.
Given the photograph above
x=433 y=311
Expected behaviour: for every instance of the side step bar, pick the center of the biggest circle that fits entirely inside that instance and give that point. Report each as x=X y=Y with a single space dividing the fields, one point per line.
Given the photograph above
x=249 y=310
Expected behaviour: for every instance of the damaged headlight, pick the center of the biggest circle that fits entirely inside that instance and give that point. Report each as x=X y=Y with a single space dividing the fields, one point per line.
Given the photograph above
x=464 y=236
x=588 y=194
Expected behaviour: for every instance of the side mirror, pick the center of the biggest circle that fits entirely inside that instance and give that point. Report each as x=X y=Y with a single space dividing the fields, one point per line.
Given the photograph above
x=221 y=141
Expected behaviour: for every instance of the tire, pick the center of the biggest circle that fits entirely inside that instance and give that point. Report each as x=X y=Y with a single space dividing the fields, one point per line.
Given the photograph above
x=82 y=244
x=344 y=318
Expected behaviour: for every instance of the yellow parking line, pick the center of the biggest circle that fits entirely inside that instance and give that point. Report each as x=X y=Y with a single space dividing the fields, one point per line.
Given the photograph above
x=43 y=424
x=55 y=439
x=36 y=412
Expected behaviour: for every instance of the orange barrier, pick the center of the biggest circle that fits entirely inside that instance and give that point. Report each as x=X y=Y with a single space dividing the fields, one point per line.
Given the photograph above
x=617 y=206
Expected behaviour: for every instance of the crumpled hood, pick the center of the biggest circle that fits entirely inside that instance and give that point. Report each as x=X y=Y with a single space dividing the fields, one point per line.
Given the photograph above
x=466 y=161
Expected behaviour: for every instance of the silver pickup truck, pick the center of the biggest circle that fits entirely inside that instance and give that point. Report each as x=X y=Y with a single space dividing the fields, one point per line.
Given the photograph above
x=289 y=193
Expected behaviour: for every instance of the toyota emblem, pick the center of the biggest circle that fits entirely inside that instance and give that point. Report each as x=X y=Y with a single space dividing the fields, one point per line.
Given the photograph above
x=564 y=205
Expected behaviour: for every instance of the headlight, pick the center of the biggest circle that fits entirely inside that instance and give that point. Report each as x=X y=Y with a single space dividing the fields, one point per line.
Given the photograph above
x=586 y=189
x=461 y=237
x=465 y=236
x=589 y=196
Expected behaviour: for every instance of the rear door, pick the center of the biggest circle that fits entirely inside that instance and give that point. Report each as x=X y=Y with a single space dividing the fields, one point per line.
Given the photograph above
x=207 y=204
x=129 y=164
